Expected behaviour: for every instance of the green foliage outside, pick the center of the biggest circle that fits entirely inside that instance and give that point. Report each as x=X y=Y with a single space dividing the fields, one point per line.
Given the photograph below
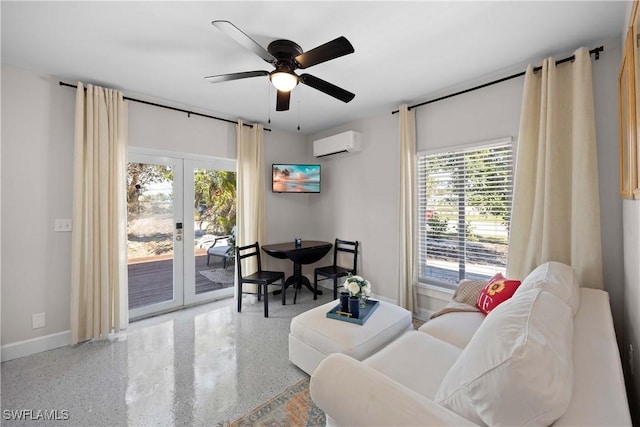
x=473 y=179
x=462 y=180
x=215 y=200
x=139 y=177
x=487 y=171
x=214 y=194
x=437 y=226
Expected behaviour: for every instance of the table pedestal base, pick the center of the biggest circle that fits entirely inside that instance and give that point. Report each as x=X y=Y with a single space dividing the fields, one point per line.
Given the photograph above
x=297 y=280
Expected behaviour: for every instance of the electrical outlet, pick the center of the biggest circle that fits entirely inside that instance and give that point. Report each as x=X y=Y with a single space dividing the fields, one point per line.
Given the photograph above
x=631 y=358
x=38 y=320
x=62 y=225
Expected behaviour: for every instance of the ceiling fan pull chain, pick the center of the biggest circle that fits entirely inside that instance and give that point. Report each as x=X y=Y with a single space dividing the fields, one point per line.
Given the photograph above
x=298 y=114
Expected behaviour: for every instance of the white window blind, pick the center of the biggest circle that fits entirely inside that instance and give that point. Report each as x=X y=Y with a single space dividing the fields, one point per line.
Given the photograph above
x=464 y=209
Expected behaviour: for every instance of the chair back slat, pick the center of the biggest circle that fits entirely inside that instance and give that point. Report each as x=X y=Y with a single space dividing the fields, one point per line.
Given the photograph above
x=253 y=251
x=348 y=247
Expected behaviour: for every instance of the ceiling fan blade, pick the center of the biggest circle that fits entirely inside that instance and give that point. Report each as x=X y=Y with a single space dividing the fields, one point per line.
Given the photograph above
x=330 y=50
x=326 y=87
x=235 y=76
x=282 y=101
x=240 y=37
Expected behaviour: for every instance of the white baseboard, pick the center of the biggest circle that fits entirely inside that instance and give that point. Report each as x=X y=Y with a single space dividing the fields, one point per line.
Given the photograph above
x=385 y=299
x=35 y=345
x=423 y=314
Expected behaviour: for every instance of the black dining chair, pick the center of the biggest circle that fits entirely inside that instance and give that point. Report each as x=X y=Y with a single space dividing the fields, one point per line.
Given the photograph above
x=260 y=278
x=335 y=271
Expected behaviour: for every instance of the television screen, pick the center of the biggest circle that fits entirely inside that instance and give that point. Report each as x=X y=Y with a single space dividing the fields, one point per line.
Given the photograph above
x=295 y=178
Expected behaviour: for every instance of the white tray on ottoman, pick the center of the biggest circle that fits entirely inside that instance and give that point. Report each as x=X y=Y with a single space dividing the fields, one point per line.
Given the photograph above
x=314 y=336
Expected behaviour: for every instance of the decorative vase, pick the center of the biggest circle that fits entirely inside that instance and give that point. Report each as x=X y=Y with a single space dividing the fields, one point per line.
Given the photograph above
x=354 y=307
x=363 y=301
x=344 y=301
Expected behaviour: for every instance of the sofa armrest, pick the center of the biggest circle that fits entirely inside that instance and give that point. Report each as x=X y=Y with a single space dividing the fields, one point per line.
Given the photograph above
x=353 y=393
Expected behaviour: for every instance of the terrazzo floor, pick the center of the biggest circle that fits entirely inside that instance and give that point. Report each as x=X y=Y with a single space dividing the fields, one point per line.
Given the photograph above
x=199 y=366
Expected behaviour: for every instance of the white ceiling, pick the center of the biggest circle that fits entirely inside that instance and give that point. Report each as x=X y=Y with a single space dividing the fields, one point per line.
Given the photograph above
x=404 y=51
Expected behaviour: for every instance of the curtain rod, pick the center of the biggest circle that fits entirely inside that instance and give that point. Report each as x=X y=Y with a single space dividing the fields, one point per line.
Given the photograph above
x=596 y=51
x=189 y=113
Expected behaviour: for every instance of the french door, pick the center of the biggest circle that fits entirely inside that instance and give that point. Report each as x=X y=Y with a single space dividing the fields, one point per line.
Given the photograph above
x=176 y=207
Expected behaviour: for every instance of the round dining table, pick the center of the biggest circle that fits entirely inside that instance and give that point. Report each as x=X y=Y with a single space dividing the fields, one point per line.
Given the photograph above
x=306 y=252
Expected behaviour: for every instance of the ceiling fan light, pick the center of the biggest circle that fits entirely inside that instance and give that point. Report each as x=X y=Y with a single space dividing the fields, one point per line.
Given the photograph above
x=283 y=81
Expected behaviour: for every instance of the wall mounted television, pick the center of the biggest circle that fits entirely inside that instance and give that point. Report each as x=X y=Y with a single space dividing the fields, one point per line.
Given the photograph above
x=295 y=178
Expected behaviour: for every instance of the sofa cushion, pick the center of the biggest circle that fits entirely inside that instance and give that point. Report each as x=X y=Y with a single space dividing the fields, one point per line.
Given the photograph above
x=404 y=361
x=557 y=278
x=468 y=290
x=517 y=369
x=455 y=328
x=498 y=290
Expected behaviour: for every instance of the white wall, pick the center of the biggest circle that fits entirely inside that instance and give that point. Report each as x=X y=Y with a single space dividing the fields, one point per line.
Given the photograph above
x=360 y=198
x=631 y=237
x=605 y=93
x=631 y=211
x=162 y=129
x=482 y=115
x=36 y=178
x=288 y=215
x=37 y=145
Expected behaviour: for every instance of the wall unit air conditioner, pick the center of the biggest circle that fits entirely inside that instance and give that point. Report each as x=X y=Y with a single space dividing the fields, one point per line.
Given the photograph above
x=344 y=142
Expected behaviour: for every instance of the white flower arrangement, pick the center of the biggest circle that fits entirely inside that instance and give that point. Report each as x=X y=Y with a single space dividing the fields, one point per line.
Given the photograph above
x=357 y=286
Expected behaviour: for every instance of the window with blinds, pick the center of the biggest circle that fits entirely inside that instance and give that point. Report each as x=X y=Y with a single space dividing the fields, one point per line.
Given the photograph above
x=464 y=209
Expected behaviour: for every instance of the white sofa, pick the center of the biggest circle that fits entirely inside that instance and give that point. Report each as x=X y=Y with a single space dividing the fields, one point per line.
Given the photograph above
x=546 y=356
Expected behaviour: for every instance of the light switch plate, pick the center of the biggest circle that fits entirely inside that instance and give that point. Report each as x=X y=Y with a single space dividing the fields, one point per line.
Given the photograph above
x=63 y=225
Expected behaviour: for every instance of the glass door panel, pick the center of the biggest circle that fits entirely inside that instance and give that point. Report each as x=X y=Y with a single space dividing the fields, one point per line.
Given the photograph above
x=153 y=234
x=172 y=261
x=214 y=214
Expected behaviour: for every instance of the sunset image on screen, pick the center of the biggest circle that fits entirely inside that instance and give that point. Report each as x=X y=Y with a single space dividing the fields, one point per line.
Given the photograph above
x=296 y=178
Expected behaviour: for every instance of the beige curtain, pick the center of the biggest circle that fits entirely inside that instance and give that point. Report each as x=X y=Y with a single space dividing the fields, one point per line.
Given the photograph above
x=99 y=301
x=251 y=223
x=556 y=211
x=407 y=265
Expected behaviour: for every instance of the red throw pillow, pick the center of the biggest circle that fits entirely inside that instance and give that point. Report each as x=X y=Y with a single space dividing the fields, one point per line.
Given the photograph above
x=497 y=291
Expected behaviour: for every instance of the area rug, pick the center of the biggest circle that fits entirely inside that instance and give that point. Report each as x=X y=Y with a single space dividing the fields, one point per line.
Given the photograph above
x=292 y=407
x=219 y=275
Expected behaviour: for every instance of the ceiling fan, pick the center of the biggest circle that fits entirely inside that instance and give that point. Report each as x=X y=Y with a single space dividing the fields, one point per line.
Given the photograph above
x=286 y=56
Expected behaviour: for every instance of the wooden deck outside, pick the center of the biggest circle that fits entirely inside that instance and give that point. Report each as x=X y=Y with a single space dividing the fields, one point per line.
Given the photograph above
x=151 y=281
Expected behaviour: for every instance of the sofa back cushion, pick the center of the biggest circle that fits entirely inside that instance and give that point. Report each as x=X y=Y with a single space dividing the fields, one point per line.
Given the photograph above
x=556 y=278
x=517 y=369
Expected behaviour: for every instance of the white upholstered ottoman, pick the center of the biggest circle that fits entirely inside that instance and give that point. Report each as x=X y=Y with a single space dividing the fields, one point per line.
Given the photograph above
x=314 y=336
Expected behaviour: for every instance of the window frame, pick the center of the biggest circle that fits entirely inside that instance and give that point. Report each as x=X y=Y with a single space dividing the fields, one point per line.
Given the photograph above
x=483 y=144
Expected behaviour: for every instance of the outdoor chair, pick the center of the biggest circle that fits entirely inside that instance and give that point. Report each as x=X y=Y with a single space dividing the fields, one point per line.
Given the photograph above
x=260 y=278
x=222 y=247
x=335 y=271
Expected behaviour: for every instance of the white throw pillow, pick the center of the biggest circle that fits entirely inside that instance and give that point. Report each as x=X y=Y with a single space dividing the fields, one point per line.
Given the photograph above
x=517 y=370
x=557 y=278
